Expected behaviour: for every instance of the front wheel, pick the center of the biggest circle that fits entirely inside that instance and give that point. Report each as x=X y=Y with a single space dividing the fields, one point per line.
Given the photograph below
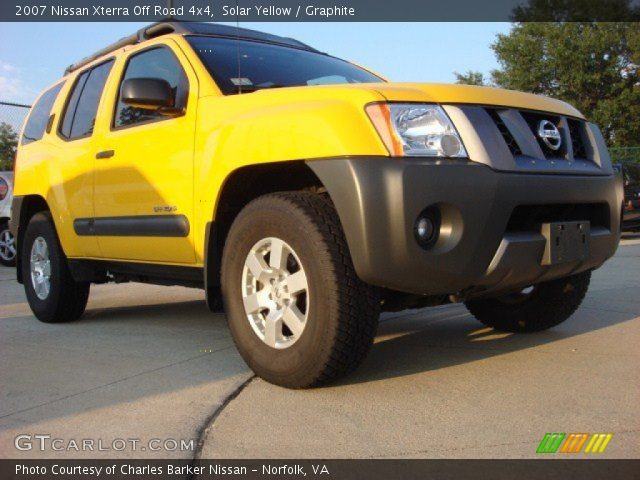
x=535 y=308
x=7 y=246
x=52 y=293
x=297 y=312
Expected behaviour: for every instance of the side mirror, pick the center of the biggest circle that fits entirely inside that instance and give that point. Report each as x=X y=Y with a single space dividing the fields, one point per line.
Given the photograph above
x=148 y=94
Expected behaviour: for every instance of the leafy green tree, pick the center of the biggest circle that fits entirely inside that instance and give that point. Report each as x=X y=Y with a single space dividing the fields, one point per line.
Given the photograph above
x=594 y=66
x=8 y=145
x=470 y=78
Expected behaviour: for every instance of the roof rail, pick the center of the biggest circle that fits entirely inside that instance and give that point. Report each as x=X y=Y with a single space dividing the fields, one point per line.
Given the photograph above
x=123 y=42
x=145 y=33
x=166 y=27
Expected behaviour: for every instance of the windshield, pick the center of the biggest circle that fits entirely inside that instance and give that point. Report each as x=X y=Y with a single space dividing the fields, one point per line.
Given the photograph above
x=262 y=65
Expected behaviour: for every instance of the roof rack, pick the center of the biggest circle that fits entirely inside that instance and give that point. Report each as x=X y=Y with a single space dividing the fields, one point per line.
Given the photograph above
x=212 y=29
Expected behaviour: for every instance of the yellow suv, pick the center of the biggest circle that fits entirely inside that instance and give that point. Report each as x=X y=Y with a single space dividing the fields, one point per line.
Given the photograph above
x=305 y=194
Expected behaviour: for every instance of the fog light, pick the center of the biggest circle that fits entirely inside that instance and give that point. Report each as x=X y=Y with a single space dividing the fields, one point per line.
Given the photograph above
x=427 y=227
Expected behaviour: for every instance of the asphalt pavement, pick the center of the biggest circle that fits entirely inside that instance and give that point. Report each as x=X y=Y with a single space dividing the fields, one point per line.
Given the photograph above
x=151 y=366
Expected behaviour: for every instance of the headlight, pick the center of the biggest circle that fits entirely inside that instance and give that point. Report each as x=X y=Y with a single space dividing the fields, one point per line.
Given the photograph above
x=416 y=130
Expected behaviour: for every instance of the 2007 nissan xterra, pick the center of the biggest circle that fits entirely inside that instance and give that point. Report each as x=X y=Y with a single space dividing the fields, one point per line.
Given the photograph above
x=305 y=194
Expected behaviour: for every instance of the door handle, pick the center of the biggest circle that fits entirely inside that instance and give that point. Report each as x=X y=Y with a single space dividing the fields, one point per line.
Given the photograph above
x=105 y=154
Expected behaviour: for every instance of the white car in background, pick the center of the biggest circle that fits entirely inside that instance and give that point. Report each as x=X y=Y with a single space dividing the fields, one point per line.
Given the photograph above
x=7 y=242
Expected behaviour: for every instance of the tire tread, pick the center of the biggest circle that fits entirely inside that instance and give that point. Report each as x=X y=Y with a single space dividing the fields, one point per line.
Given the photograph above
x=352 y=305
x=553 y=303
x=358 y=303
x=72 y=299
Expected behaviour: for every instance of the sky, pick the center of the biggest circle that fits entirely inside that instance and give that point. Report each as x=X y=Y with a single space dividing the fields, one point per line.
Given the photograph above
x=34 y=55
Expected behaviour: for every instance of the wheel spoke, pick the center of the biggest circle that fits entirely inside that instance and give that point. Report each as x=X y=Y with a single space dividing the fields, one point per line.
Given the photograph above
x=297 y=282
x=39 y=249
x=272 y=326
x=39 y=286
x=46 y=269
x=278 y=254
x=256 y=265
x=257 y=301
x=294 y=319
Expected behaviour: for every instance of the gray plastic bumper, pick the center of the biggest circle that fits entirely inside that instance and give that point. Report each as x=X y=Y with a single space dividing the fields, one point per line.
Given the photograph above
x=378 y=200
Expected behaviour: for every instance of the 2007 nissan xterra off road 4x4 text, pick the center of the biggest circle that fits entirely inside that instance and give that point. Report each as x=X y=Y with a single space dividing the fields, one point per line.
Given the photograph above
x=305 y=194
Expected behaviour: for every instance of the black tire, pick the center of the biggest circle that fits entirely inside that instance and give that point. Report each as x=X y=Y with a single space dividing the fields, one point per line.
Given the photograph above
x=342 y=310
x=546 y=306
x=6 y=257
x=67 y=299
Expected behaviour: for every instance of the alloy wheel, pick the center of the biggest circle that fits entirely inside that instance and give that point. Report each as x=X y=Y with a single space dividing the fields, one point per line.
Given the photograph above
x=275 y=292
x=7 y=246
x=40 y=267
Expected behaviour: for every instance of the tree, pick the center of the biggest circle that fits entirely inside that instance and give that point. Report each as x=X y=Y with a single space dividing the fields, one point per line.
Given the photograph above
x=470 y=78
x=8 y=146
x=594 y=66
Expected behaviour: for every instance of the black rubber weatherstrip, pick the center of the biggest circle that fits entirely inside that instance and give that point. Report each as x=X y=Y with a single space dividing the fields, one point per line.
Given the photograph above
x=133 y=226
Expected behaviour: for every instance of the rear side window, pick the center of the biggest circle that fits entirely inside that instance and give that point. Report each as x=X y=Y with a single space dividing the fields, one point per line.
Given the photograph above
x=72 y=104
x=155 y=63
x=80 y=114
x=37 y=123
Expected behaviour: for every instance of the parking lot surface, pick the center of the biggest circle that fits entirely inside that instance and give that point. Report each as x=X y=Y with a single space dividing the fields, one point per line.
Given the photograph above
x=144 y=363
x=150 y=362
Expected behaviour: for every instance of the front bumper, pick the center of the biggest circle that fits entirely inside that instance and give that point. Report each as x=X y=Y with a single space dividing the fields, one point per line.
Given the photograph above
x=483 y=247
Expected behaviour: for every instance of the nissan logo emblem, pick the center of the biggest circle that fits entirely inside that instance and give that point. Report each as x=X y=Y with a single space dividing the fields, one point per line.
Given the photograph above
x=549 y=134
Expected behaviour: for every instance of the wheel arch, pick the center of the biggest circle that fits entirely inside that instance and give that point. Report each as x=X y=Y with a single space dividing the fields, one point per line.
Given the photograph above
x=239 y=188
x=22 y=209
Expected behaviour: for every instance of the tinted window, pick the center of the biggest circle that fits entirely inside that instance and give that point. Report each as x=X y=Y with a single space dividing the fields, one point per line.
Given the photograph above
x=238 y=65
x=72 y=105
x=80 y=114
x=37 y=123
x=156 y=63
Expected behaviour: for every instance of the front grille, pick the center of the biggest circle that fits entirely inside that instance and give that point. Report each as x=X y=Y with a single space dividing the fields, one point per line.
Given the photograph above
x=577 y=138
x=504 y=131
x=533 y=120
x=571 y=130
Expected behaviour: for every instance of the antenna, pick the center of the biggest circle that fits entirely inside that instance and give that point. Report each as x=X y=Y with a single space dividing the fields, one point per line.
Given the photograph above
x=170 y=8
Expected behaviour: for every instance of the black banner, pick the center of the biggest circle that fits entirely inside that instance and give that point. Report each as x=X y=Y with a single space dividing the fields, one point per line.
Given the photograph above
x=317 y=10
x=321 y=469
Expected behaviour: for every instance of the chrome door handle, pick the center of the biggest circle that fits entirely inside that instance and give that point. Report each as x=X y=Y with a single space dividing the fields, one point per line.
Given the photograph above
x=105 y=154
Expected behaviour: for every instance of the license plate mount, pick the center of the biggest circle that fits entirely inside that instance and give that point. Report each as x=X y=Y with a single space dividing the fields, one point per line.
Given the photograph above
x=565 y=242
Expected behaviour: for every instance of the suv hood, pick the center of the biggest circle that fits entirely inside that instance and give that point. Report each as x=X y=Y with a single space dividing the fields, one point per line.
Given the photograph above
x=467 y=94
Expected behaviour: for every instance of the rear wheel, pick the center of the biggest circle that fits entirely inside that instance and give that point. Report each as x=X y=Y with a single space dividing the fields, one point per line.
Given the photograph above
x=52 y=293
x=533 y=309
x=7 y=246
x=298 y=313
